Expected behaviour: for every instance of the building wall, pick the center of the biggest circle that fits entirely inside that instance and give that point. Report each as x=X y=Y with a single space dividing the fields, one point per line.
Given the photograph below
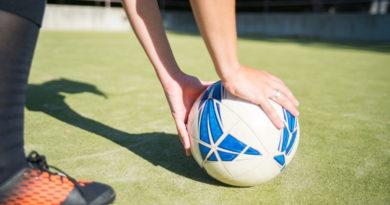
x=356 y=27
x=359 y=27
x=61 y=17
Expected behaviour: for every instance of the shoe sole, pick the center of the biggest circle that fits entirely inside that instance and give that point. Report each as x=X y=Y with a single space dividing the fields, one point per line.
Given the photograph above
x=106 y=198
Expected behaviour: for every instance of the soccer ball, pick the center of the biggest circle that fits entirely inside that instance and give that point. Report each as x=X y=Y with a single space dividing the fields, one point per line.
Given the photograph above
x=234 y=140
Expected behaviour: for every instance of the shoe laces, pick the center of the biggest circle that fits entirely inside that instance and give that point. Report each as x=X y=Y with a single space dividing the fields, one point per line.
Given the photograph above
x=39 y=162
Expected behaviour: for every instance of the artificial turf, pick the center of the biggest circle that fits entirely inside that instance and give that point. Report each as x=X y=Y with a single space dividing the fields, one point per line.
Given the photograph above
x=96 y=109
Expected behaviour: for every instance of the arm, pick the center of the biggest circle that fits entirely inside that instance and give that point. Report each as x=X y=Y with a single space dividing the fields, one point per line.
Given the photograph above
x=217 y=23
x=144 y=16
x=180 y=89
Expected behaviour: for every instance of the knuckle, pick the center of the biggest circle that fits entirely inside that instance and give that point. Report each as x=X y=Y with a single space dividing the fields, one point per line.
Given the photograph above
x=279 y=80
x=259 y=99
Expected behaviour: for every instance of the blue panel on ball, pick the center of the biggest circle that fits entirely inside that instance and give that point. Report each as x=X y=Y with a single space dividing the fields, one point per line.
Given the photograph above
x=203 y=125
x=280 y=159
x=217 y=92
x=203 y=150
x=226 y=156
x=252 y=151
x=232 y=144
x=213 y=157
x=291 y=144
x=285 y=137
x=211 y=129
x=219 y=112
x=290 y=120
x=215 y=127
x=205 y=96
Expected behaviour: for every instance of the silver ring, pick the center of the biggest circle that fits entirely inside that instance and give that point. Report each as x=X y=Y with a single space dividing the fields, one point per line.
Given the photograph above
x=276 y=95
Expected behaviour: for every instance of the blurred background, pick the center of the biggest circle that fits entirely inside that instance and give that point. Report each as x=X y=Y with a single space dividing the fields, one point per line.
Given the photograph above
x=96 y=94
x=356 y=20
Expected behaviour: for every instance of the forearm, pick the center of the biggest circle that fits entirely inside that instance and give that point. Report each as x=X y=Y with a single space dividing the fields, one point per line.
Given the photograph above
x=216 y=20
x=145 y=18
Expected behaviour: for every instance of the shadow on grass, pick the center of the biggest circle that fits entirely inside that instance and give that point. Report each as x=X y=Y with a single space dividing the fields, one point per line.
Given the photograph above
x=382 y=47
x=160 y=149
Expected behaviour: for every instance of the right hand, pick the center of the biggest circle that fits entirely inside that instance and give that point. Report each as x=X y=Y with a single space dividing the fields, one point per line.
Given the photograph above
x=181 y=95
x=258 y=87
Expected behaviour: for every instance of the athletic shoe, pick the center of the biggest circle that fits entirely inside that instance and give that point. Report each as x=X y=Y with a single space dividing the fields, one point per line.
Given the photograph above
x=37 y=184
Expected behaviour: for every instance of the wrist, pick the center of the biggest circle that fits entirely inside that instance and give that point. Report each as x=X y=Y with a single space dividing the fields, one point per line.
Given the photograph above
x=228 y=73
x=171 y=80
x=234 y=78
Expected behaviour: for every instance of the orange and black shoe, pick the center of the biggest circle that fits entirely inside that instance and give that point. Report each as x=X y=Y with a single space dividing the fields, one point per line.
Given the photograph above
x=37 y=185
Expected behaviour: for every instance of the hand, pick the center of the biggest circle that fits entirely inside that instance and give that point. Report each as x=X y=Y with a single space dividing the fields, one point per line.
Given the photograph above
x=258 y=87
x=181 y=95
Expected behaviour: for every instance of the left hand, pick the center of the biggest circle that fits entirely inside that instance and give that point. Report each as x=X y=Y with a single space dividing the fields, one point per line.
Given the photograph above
x=258 y=87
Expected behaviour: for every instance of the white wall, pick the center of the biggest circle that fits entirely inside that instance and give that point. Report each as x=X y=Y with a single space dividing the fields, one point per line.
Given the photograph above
x=352 y=26
x=357 y=27
x=59 y=17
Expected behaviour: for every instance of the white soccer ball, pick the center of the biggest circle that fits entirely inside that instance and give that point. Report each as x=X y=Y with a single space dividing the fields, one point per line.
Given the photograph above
x=234 y=140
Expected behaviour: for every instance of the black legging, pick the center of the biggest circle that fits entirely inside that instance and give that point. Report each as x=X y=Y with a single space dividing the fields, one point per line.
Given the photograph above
x=17 y=43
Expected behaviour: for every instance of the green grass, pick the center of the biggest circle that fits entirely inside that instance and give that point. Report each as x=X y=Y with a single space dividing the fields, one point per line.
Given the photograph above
x=96 y=109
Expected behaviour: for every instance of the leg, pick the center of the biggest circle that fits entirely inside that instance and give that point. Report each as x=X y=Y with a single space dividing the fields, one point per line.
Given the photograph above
x=29 y=181
x=17 y=42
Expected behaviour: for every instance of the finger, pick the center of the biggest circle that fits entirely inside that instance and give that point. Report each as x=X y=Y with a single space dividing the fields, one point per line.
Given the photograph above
x=287 y=92
x=272 y=114
x=287 y=104
x=280 y=85
x=184 y=137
